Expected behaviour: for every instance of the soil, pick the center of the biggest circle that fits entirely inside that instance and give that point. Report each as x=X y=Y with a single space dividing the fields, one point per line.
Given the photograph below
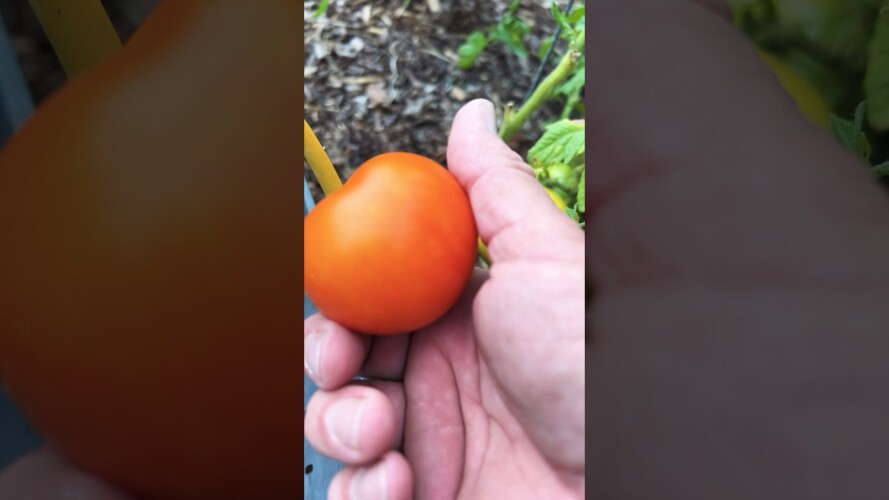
x=382 y=75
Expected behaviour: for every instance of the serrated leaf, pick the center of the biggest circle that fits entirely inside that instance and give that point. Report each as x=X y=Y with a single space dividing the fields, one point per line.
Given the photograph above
x=858 y=117
x=471 y=49
x=574 y=84
x=876 y=78
x=850 y=137
x=544 y=46
x=581 y=192
x=511 y=31
x=577 y=14
x=562 y=20
x=572 y=212
x=881 y=170
x=561 y=142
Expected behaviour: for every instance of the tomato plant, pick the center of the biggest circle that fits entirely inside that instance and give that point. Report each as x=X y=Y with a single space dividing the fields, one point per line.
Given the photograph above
x=150 y=219
x=832 y=57
x=392 y=250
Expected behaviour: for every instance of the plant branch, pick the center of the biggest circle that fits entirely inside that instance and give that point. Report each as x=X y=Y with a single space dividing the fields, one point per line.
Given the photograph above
x=549 y=53
x=544 y=91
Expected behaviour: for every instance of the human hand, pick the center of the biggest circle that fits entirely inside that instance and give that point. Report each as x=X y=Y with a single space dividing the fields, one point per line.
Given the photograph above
x=44 y=475
x=740 y=324
x=488 y=401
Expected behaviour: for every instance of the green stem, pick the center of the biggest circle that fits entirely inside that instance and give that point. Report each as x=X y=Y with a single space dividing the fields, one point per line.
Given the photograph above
x=570 y=103
x=544 y=91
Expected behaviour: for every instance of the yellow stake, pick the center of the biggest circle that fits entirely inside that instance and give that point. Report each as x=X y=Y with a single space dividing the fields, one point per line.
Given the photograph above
x=319 y=162
x=80 y=32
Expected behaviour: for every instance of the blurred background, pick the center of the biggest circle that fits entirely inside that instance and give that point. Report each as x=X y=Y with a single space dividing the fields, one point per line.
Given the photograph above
x=38 y=61
x=43 y=74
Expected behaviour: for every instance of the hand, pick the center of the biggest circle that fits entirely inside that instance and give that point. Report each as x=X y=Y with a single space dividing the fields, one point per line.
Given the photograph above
x=488 y=401
x=44 y=475
x=740 y=323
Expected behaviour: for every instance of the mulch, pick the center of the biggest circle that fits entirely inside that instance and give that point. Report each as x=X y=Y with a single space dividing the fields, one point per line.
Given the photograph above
x=382 y=75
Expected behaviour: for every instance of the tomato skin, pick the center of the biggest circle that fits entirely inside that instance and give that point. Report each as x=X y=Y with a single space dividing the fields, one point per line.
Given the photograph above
x=149 y=290
x=392 y=250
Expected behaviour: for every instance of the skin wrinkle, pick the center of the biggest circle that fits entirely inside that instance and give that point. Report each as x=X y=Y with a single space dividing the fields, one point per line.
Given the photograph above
x=462 y=428
x=528 y=399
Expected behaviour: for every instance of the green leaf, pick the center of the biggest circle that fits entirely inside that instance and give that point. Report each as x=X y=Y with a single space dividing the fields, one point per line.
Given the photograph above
x=581 y=192
x=544 y=46
x=858 y=117
x=572 y=212
x=881 y=170
x=562 y=20
x=574 y=84
x=577 y=14
x=511 y=31
x=851 y=137
x=876 y=79
x=471 y=49
x=561 y=143
x=322 y=8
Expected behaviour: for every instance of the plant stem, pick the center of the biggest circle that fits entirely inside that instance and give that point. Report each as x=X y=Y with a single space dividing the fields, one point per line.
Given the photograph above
x=569 y=104
x=515 y=121
x=549 y=53
x=319 y=162
x=81 y=36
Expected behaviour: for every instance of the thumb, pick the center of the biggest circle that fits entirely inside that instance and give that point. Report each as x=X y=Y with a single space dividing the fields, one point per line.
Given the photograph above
x=515 y=216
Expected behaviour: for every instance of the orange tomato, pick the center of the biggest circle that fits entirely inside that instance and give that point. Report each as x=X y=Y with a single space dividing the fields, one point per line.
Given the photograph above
x=149 y=274
x=392 y=250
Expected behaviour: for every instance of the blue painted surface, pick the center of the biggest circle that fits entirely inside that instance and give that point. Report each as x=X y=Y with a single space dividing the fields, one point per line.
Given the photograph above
x=15 y=100
x=323 y=468
x=17 y=436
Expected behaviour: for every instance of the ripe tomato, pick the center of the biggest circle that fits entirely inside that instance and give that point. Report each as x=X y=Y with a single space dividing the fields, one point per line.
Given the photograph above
x=392 y=250
x=149 y=286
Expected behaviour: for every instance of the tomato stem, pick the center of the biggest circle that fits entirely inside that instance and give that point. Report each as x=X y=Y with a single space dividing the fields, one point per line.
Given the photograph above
x=319 y=162
x=81 y=36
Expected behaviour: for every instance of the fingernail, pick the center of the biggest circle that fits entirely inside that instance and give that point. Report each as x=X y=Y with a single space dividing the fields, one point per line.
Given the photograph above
x=343 y=420
x=370 y=483
x=488 y=117
x=314 y=341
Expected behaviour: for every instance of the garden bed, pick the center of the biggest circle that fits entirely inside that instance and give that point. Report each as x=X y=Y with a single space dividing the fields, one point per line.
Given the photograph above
x=382 y=76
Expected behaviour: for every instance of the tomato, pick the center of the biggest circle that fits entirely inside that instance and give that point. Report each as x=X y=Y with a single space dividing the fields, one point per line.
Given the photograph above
x=149 y=271
x=392 y=250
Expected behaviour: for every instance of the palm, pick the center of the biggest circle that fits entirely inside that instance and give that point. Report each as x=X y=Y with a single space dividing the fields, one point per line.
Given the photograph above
x=465 y=435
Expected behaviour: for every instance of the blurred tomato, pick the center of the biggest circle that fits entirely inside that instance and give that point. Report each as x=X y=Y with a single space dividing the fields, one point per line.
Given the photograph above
x=149 y=265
